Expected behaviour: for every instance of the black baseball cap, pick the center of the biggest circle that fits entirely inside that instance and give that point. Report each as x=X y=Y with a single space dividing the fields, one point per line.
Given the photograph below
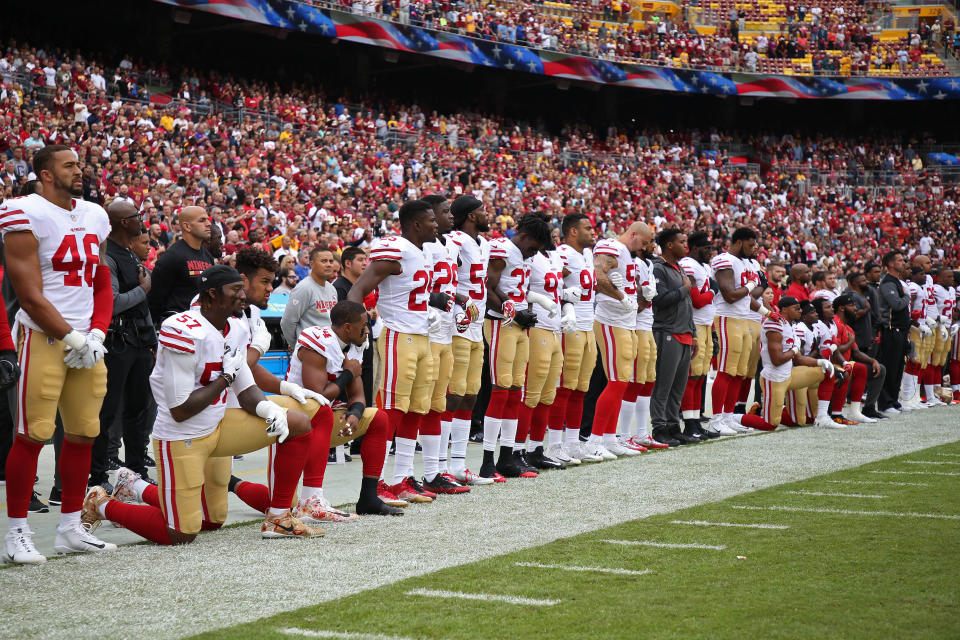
x=787 y=301
x=217 y=276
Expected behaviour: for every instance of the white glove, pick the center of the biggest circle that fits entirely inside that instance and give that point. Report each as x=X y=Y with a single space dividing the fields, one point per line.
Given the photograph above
x=763 y=311
x=616 y=279
x=925 y=330
x=261 y=339
x=826 y=366
x=572 y=294
x=931 y=322
x=90 y=353
x=629 y=303
x=546 y=303
x=433 y=317
x=944 y=333
x=276 y=417
x=751 y=285
x=796 y=349
x=649 y=291
x=301 y=394
x=232 y=363
x=76 y=348
x=954 y=329
x=568 y=323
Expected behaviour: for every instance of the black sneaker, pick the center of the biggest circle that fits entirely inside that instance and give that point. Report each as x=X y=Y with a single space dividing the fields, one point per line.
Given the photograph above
x=148 y=479
x=148 y=461
x=332 y=456
x=876 y=415
x=527 y=469
x=488 y=470
x=55 y=497
x=507 y=466
x=541 y=461
x=665 y=437
x=114 y=463
x=232 y=485
x=37 y=505
x=477 y=437
x=439 y=484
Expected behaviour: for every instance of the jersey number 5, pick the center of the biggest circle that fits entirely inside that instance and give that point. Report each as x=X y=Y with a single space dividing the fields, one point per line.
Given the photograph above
x=70 y=260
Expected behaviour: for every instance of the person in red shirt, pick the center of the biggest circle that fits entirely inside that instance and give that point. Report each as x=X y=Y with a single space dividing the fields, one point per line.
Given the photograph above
x=775 y=273
x=856 y=365
x=799 y=277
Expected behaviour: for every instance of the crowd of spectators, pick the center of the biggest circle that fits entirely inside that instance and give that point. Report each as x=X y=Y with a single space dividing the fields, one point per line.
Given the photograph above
x=290 y=169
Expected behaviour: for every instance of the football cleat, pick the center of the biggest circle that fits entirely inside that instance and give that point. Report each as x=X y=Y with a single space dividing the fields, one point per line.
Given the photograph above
x=284 y=525
x=123 y=487
x=527 y=470
x=406 y=491
x=90 y=516
x=416 y=484
x=718 y=425
x=618 y=449
x=556 y=452
x=842 y=420
x=934 y=401
x=315 y=510
x=389 y=497
x=76 y=538
x=37 y=505
x=489 y=471
x=627 y=442
x=578 y=451
x=735 y=424
x=542 y=461
x=599 y=451
x=440 y=484
x=377 y=507
x=56 y=497
x=754 y=409
x=825 y=422
x=19 y=547
x=470 y=478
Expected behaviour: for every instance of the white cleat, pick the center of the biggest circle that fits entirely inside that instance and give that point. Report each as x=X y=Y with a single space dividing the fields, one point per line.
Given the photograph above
x=123 y=490
x=891 y=411
x=467 y=477
x=600 y=451
x=856 y=415
x=934 y=402
x=557 y=453
x=718 y=425
x=825 y=422
x=733 y=422
x=580 y=451
x=19 y=547
x=75 y=538
x=619 y=450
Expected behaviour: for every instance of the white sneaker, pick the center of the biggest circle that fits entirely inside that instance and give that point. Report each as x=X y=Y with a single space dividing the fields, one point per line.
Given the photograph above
x=825 y=422
x=854 y=413
x=718 y=425
x=20 y=549
x=75 y=538
x=123 y=490
x=467 y=477
x=618 y=449
x=892 y=411
x=557 y=453
x=734 y=424
x=934 y=402
x=600 y=451
x=580 y=451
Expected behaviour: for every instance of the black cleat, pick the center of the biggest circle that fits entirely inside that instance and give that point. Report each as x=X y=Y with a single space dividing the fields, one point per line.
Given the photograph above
x=114 y=463
x=56 y=497
x=439 y=484
x=527 y=470
x=507 y=466
x=876 y=415
x=149 y=462
x=377 y=507
x=693 y=429
x=538 y=459
x=232 y=485
x=665 y=437
x=37 y=505
x=488 y=469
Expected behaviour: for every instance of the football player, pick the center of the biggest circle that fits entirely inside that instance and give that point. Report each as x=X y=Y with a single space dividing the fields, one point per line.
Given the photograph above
x=858 y=363
x=920 y=336
x=55 y=256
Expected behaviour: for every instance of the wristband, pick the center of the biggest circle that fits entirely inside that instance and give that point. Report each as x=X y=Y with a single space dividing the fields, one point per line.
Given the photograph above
x=345 y=378
x=227 y=378
x=356 y=409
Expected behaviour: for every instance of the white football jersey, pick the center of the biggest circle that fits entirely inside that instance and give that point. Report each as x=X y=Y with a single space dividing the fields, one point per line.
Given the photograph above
x=700 y=278
x=929 y=291
x=807 y=340
x=741 y=275
x=608 y=310
x=190 y=356
x=325 y=342
x=68 y=249
x=946 y=302
x=472 y=276
x=644 y=274
x=754 y=269
x=546 y=277
x=776 y=373
x=253 y=323
x=580 y=268
x=443 y=257
x=515 y=276
x=402 y=299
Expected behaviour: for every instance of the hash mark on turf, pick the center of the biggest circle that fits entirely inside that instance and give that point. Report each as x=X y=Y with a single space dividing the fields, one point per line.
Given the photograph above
x=341 y=635
x=439 y=593
x=930 y=462
x=896 y=514
x=566 y=567
x=703 y=523
x=920 y=473
x=893 y=482
x=801 y=492
x=950 y=455
x=666 y=545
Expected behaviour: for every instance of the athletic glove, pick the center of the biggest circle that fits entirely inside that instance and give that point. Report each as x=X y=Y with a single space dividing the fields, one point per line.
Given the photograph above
x=233 y=362
x=826 y=366
x=796 y=349
x=944 y=333
x=925 y=330
x=572 y=294
x=261 y=339
x=90 y=354
x=546 y=303
x=568 y=322
x=525 y=319
x=616 y=279
x=276 y=417
x=954 y=329
x=629 y=303
x=508 y=311
x=9 y=369
x=442 y=301
x=76 y=348
x=931 y=322
x=751 y=285
x=465 y=318
x=763 y=280
x=649 y=290
x=433 y=317
x=301 y=394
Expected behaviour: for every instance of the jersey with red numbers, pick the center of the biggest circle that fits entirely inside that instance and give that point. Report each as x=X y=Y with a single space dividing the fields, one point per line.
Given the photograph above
x=68 y=249
x=917 y=297
x=644 y=274
x=609 y=310
x=324 y=341
x=402 y=298
x=580 y=274
x=472 y=276
x=190 y=356
x=929 y=292
x=741 y=275
x=776 y=324
x=946 y=302
x=546 y=277
x=515 y=276
x=700 y=277
x=443 y=258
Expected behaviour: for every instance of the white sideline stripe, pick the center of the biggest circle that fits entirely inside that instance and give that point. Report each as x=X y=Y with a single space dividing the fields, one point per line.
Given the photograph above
x=921 y=473
x=566 y=567
x=343 y=635
x=702 y=523
x=896 y=514
x=439 y=593
x=801 y=492
x=893 y=482
x=930 y=462
x=666 y=545
x=950 y=455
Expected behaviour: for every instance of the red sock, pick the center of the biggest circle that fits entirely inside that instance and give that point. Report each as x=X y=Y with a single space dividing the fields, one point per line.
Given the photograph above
x=256 y=495
x=608 y=408
x=395 y=417
x=410 y=426
x=933 y=375
x=632 y=392
x=541 y=416
x=719 y=392
x=446 y=416
x=373 y=449
x=744 y=390
x=955 y=370
x=74 y=473
x=321 y=431
x=755 y=422
x=287 y=468
x=463 y=414
x=514 y=400
x=913 y=368
x=786 y=420
x=430 y=424
x=859 y=382
x=144 y=520
x=825 y=390
x=574 y=415
x=524 y=420
x=839 y=396
x=647 y=389
x=497 y=406
x=151 y=495
x=21 y=470
x=558 y=410
x=733 y=395
x=691 y=399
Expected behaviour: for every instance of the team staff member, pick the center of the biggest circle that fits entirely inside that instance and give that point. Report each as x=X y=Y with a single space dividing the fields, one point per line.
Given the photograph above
x=175 y=274
x=312 y=299
x=894 y=325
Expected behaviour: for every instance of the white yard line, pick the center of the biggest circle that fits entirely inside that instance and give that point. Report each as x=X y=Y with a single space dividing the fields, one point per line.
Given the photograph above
x=566 y=567
x=950 y=462
x=918 y=473
x=802 y=492
x=949 y=455
x=338 y=635
x=893 y=482
x=702 y=523
x=852 y=512
x=379 y=551
x=490 y=597
x=666 y=545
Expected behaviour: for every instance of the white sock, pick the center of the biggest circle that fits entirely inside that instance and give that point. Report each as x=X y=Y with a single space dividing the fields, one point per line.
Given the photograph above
x=459 y=435
x=823 y=408
x=956 y=387
x=491 y=429
x=609 y=439
x=445 y=427
x=275 y=512
x=403 y=459
x=572 y=435
x=69 y=519
x=594 y=440
x=908 y=388
x=691 y=414
x=508 y=432
x=102 y=508
x=642 y=412
x=17 y=523
x=431 y=455
x=139 y=486
x=554 y=436
x=309 y=492
x=386 y=458
x=931 y=394
x=627 y=410
x=533 y=444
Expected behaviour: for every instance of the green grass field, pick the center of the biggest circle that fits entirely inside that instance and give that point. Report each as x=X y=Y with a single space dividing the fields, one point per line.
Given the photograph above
x=837 y=569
